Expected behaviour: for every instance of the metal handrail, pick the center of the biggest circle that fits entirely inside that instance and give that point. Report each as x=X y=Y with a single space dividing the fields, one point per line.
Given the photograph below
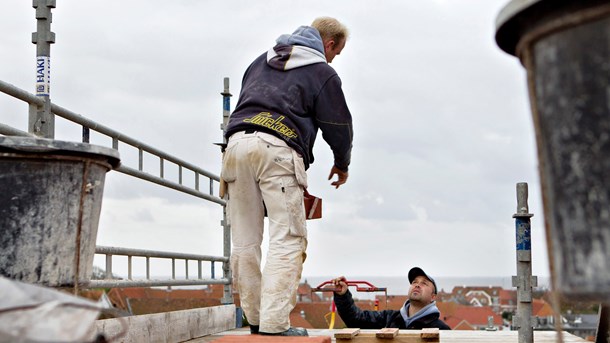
x=19 y=93
x=157 y=254
x=153 y=283
x=11 y=131
x=108 y=282
x=163 y=182
x=117 y=137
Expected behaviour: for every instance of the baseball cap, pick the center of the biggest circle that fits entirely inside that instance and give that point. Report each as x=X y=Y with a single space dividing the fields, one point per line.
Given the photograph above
x=416 y=271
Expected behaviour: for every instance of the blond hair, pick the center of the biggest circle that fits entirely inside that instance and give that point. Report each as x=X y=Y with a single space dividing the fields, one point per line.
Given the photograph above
x=330 y=28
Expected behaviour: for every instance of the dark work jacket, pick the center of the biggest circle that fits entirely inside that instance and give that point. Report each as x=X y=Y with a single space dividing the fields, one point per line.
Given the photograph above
x=354 y=317
x=293 y=104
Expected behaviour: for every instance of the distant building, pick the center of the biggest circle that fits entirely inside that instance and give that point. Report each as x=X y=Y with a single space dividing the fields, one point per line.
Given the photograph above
x=508 y=300
x=477 y=296
x=305 y=294
x=392 y=302
x=477 y=317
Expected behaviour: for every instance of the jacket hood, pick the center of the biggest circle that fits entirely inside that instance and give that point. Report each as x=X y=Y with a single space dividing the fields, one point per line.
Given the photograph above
x=428 y=310
x=303 y=47
x=303 y=36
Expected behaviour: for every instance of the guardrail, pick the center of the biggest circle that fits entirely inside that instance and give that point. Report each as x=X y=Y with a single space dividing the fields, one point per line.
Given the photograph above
x=41 y=123
x=120 y=140
x=148 y=254
x=118 y=137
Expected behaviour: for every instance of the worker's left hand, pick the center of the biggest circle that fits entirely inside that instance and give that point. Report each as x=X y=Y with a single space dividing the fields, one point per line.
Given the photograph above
x=342 y=176
x=340 y=284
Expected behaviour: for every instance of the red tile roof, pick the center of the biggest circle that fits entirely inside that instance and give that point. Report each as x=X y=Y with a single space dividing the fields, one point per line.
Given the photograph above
x=149 y=306
x=508 y=294
x=153 y=300
x=91 y=294
x=317 y=314
x=477 y=315
x=541 y=308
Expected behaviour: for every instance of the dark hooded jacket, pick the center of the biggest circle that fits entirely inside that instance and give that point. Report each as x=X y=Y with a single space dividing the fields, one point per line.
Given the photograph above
x=354 y=317
x=291 y=92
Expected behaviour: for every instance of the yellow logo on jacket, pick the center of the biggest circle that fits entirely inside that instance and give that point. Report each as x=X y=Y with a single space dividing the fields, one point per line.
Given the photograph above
x=266 y=120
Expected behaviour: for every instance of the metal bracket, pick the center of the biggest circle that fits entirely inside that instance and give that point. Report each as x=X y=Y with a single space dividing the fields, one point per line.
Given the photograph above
x=361 y=286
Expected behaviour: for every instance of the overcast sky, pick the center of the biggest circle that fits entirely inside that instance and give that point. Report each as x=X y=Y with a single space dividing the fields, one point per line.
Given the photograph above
x=442 y=127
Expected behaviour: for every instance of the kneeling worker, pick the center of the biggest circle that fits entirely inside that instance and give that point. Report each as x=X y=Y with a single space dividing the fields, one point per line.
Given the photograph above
x=418 y=312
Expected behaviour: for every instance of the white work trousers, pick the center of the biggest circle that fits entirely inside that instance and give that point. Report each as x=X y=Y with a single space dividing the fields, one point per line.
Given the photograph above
x=260 y=168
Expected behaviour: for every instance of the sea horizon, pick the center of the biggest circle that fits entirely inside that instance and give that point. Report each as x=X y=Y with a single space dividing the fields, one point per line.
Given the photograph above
x=399 y=285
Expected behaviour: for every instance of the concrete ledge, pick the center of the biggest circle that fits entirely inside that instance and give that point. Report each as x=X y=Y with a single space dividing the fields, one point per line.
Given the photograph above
x=169 y=327
x=272 y=339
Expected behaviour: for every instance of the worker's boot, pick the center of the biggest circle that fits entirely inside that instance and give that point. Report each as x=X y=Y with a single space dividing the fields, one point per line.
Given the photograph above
x=289 y=332
x=254 y=329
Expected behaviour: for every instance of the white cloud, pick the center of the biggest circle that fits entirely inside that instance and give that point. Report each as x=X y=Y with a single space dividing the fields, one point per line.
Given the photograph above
x=441 y=118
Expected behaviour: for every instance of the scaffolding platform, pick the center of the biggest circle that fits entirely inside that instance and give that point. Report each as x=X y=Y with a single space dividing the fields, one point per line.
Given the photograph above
x=455 y=336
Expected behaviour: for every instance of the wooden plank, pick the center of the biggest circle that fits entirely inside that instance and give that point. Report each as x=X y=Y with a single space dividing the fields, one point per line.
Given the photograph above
x=170 y=327
x=404 y=336
x=387 y=333
x=430 y=333
x=347 y=333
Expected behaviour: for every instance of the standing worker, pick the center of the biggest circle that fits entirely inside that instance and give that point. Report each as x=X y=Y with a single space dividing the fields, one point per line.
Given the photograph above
x=287 y=94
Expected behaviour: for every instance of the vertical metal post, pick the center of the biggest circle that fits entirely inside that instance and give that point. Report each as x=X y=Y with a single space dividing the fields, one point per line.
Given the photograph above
x=108 y=267
x=41 y=121
x=129 y=268
x=226 y=108
x=86 y=134
x=524 y=281
x=140 y=159
x=147 y=268
x=226 y=266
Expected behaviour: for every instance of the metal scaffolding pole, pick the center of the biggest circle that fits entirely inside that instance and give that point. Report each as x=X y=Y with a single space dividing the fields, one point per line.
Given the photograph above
x=524 y=281
x=226 y=108
x=41 y=121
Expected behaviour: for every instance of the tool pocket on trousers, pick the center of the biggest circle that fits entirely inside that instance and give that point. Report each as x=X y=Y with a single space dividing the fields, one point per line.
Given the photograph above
x=293 y=196
x=229 y=162
x=299 y=169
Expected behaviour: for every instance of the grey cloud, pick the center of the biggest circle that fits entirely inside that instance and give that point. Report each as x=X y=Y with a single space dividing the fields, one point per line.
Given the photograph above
x=441 y=116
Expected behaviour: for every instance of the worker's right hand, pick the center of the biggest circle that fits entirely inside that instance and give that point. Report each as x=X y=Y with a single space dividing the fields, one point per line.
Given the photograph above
x=341 y=176
x=340 y=284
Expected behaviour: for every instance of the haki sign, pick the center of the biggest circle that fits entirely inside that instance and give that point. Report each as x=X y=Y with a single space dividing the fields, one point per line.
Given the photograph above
x=43 y=75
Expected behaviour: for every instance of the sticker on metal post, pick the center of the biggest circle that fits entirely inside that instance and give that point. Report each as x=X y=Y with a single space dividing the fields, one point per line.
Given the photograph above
x=43 y=75
x=524 y=239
